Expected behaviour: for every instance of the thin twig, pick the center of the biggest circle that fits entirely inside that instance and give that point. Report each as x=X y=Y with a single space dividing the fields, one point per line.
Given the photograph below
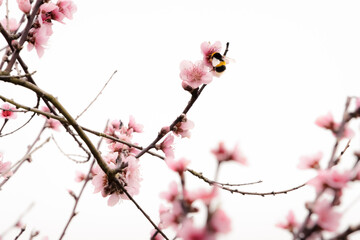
x=194 y=96
x=96 y=96
x=69 y=155
x=26 y=157
x=210 y=182
x=74 y=213
x=21 y=232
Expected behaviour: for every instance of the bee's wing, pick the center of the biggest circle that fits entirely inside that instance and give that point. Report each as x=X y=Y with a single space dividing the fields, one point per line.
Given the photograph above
x=229 y=60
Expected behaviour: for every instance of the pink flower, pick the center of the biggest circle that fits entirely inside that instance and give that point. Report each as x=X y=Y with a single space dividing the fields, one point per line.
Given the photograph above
x=66 y=7
x=5 y=167
x=190 y=232
x=11 y=25
x=208 y=49
x=50 y=122
x=183 y=128
x=135 y=126
x=1 y=2
x=24 y=5
x=49 y=11
x=79 y=176
x=330 y=178
x=196 y=74
x=5 y=113
x=328 y=122
x=290 y=223
x=129 y=177
x=307 y=162
x=166 y=146
x=328 y=219
x=222 y=154
x=178 y=166
x=220 y=222
x=38 y=38
x=202 y=194
x=172 y=216
x=172 y=194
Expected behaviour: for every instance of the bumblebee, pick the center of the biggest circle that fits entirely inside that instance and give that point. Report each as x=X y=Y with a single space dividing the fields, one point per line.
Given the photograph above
x=218 y=61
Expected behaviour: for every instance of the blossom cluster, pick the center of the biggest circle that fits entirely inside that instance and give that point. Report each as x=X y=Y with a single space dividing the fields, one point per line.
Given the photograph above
x=329 y=184
x=121 y=159
x=41 y=29
x=193 y=75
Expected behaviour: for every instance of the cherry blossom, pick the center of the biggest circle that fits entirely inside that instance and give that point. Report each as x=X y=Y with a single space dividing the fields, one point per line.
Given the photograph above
x=24 y=5
x=222 y=154
x=220 y=222
x=8 y=114
x=172 y=194
x=330 y=178
x=5 y=167
x=129 y=177
x=178 y=166
x=11 y=25
x=183 y=128
x=38 y=37
x=307 y=162
x=49 y=11
x=290 y=223
x=327 y=122
x=68 y=8
x=208 y=49
x=328 y=218
x=135 y=127
x=190 y=232
x=167 y=146
x=195 y=74
x=79 y=176
x=50 y=122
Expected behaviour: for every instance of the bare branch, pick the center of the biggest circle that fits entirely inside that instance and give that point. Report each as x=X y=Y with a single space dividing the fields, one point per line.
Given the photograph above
x=96 y=96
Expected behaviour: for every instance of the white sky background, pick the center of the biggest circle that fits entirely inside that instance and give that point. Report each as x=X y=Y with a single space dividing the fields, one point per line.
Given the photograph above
x=294 y=62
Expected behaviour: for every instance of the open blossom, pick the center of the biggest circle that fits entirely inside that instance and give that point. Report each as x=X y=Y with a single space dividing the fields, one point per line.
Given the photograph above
x=11 y=25
x=50 y=122
x=167 y=146
x=183 y=128
x=129 y=178
x=208 y=49
x=328 y=218
x=24 y=5
x=172 y=193
x=330 y=178
x=327 y=122
x=5 y=113
x=172 y=216
x=66 y=7
x=135 y=127
x=222 y=154
x=177 y=166
x=38 y=37
x=290 y=223
x=220 y=222
x=50 y=11
x=307 y=162
x=195 y=74
x=79 y=176
x=5 y=167
x=190 y=232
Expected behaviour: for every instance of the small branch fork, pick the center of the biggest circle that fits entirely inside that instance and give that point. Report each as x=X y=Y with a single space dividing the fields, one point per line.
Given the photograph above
x=304 y=231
